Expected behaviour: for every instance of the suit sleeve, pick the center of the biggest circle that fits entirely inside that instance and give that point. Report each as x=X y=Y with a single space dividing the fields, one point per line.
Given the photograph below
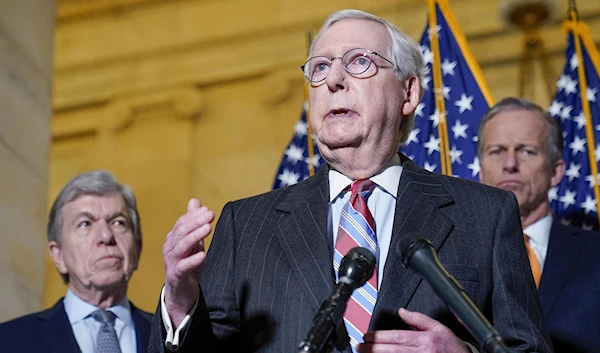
x=516 y=308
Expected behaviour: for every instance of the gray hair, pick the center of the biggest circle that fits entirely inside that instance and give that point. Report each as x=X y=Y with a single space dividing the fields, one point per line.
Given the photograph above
x=404 y=52
x=98 y=182
x=555 y=141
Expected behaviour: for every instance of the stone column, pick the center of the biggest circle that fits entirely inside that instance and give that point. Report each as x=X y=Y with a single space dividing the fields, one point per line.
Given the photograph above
x=26 y=42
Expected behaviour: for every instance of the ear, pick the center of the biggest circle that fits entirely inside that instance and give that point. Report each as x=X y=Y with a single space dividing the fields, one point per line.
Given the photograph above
x=412 y=89
x=558 y=171
x=56 y=255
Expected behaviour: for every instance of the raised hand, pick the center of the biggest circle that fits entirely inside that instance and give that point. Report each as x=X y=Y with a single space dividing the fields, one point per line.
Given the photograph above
x=184 y=255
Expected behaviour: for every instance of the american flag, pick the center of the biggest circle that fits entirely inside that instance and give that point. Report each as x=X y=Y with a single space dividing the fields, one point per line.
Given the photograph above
x=466 y=99
x=295 y=165
x=575 y=199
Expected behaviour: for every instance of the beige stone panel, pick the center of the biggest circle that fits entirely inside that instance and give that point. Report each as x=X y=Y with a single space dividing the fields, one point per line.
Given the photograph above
x=25 y=104
x=29 y=26
x=22 y=209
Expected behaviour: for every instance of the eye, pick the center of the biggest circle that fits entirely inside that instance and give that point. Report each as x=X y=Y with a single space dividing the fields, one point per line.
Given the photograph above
x=84 y=224
x=120 y=222
x=321 y=66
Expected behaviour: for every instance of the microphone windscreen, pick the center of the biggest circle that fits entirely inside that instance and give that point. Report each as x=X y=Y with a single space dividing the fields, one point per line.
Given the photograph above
x=357 y=266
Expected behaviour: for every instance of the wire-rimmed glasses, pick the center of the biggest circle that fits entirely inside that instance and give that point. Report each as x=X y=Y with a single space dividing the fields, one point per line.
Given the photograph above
x=355 y=61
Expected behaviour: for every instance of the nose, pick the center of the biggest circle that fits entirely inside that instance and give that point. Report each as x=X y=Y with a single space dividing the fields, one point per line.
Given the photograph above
x=105 y=234
x=336 y=78
x=511 y=163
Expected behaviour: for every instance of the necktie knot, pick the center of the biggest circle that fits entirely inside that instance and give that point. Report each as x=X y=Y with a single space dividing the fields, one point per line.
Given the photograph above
x=105 y=317
x=362 y=185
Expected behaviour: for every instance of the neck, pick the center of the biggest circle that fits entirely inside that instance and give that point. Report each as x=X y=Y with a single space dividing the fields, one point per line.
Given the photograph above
x=530 y=217
x=102 y=298
x=354 y=166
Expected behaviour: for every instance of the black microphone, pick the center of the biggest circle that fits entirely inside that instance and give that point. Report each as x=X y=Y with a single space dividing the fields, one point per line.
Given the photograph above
x=355 y=269
x=419 y=255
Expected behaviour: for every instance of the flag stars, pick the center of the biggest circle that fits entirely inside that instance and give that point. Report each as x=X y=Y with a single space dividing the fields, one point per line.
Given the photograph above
x=436 y=118
x=568 y=198
x=580 y=120
x=591 y=180
x=474 y=167
x=432 y=145
x=459 y=129
x=562 y=81
x=464 y=103
x=427 y=56
x=288 y=177
x=571 y=86
x=577 y=145
x=574 y=62
x=565 y=112
x=455 y=155
x=429 y=167
x=597 y=153
x=435 y=31
x=573 y=171
x=413 y=136
x=419 y=110
x=555 y=108
x=448 y=67
x=589 y=205
x=591 y=94
x=300 y=128
x=294 y=154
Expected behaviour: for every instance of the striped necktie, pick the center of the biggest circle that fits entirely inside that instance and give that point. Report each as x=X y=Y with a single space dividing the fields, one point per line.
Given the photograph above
x=357 y=228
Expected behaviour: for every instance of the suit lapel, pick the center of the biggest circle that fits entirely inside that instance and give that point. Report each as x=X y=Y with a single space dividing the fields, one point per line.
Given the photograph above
x=57 y=331
x=563 y=247
x=420 y=197
x=303 y=235
x=142 y=329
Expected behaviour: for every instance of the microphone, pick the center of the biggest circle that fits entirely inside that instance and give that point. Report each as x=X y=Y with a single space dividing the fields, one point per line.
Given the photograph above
x=355 y=270
x=419 y=255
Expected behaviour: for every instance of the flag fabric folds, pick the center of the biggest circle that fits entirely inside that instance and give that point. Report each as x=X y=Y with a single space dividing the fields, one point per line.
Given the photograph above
x=576 y=105
x=444 y=138
x=296 y=162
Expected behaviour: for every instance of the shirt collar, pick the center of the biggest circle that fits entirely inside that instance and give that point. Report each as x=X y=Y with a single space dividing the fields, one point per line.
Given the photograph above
x=77 y=309
x=387 y=178
x=539 y=232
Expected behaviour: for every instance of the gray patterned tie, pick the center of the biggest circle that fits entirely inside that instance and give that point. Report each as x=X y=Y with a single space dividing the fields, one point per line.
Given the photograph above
x=107 y=341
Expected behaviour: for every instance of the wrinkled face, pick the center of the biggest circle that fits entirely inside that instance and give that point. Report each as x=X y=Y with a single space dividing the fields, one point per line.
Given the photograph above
x=97 y=249
x=514 y=157
x=364 y=111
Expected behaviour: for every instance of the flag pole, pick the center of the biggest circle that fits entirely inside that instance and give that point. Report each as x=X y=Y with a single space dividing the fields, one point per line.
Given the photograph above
x=579 y=30
x=309 y=135
x=438 y=89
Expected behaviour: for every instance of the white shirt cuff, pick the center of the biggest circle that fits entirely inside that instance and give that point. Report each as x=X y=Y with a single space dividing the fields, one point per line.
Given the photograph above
x=471 y=347
x=174 y=338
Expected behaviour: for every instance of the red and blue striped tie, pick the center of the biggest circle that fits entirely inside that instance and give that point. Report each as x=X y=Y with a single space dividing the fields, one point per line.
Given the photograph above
x=357 y=228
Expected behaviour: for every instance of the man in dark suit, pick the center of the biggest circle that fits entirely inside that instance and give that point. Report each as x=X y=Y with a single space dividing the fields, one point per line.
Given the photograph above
x=95 y=240
x=271 y=261
x=520 y=150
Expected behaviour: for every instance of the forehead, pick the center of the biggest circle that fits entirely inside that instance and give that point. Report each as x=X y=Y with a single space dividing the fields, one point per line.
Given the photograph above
x=99 y=205
x=353 y=33
x=518 y=126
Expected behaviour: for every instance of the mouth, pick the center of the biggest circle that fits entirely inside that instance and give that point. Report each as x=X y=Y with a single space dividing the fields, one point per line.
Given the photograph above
x=509 y=184
x=340 y=113
x=110 y=257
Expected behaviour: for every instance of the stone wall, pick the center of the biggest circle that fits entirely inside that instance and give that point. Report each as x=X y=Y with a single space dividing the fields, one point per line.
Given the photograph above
x=26 y=31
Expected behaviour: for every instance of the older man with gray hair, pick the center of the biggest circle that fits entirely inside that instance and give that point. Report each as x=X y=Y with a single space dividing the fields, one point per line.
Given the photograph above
x=275 y=257
x=95 y=241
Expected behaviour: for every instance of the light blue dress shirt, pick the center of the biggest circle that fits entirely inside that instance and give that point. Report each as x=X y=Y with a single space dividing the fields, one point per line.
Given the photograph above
x=85 y=328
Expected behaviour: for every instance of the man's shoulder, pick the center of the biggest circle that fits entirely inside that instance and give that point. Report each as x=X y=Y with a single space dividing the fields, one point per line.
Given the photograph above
x=141 y=314
x=590 y=237
x=28 y=322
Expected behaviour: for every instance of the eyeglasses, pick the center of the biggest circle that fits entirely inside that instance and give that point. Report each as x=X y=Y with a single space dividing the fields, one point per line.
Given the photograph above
x=355 y=62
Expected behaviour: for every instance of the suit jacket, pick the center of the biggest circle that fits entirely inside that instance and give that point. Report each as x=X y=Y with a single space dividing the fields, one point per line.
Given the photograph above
x=570 y=289
x=49 y=331
x=269 y=266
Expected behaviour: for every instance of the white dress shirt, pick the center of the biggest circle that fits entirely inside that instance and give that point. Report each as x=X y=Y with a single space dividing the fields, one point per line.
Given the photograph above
x=539 y=236
x=86 y=328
